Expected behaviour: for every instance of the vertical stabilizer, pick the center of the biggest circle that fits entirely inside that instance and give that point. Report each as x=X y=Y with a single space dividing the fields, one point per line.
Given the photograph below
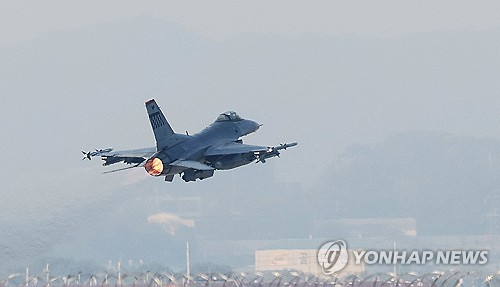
x=161 y=128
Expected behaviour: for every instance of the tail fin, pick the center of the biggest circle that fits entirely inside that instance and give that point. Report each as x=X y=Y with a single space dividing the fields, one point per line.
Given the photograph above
x=161 y=128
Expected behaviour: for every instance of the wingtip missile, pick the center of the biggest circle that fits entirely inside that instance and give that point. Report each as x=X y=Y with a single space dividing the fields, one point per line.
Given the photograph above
x=286 y=145
x=274 y=151
x=86 y=155
x=98 y=152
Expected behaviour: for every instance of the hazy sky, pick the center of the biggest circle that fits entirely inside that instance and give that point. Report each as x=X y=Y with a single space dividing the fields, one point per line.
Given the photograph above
x=24 y=20
x=329 y=74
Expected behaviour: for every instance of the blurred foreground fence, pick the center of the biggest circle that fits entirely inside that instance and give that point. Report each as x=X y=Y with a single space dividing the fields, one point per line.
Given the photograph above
x=271 y=279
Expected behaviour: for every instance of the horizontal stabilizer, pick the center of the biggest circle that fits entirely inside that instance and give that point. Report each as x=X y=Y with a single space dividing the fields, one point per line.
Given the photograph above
x=121 y=169
x=192 y=164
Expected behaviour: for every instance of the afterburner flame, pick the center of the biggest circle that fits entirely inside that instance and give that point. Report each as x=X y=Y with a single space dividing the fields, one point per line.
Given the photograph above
x=154 y=166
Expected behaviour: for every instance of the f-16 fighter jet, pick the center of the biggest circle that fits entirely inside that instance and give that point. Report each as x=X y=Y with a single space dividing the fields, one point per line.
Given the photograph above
x=197 y=156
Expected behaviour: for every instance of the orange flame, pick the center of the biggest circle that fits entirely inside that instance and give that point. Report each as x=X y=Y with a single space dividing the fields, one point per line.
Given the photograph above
x=154 y=166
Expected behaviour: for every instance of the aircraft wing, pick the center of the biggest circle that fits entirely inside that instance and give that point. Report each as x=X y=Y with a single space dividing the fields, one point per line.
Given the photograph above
x=234 y=148
x=261 y=153
x=110 y=156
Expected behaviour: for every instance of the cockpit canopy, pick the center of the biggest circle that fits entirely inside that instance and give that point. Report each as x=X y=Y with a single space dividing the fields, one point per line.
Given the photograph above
x=228 y=117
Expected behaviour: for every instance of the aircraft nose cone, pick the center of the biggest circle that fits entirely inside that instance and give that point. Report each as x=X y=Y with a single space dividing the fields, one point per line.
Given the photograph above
x=255 y=125
x=248 y=127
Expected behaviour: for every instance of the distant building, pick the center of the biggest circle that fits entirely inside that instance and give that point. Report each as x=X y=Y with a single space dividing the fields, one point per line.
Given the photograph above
x=302 y=260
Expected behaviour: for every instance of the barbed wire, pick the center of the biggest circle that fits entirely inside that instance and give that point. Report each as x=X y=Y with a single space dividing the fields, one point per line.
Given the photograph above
x=258 y=279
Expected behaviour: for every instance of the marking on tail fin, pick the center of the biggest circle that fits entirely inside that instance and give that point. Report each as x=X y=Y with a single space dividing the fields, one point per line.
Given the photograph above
x=163 y=132
x=156 y=120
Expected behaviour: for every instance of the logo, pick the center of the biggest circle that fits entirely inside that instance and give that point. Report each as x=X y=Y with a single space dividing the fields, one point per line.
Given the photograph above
x=440 y=257
x=333 y=256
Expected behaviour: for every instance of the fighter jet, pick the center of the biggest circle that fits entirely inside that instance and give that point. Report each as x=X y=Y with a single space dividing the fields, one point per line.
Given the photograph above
x=217 y=147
